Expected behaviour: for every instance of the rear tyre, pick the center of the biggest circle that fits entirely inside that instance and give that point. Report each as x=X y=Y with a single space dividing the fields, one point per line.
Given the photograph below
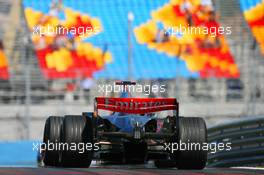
x=191 y=130
x=77 y=130
x=51 y=137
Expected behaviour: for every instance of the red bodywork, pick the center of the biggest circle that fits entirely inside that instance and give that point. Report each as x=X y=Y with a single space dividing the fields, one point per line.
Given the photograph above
x=136 y=105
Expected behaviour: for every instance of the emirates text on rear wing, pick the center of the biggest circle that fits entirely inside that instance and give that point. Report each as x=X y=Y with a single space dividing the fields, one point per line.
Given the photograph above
x=136 y=105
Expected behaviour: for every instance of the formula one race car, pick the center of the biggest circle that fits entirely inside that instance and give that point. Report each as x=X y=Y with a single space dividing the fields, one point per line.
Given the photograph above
x=132 y=133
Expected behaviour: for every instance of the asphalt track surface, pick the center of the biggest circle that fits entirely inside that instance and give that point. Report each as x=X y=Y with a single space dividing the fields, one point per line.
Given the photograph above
x=121 y=170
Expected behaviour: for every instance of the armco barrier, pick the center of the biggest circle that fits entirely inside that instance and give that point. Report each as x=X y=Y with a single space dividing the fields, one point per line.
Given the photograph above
x=247 y=141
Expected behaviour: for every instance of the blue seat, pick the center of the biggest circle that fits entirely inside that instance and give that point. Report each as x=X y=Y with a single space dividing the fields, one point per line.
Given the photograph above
x=113 y=16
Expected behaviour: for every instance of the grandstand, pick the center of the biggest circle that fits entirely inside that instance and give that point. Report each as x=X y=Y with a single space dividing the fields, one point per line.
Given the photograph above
x=207 y=53
x=45 y=74
x=3 y=63
x=254 y=15
x=114 y=36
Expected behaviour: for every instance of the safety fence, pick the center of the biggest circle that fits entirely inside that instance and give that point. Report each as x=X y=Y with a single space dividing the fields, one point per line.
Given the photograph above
x=247 y=142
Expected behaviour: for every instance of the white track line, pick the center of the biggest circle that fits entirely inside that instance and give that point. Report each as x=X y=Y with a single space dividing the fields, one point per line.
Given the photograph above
x=249 y=168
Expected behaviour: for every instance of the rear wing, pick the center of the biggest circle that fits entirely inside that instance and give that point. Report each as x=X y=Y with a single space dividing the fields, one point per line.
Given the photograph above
x=136 y=105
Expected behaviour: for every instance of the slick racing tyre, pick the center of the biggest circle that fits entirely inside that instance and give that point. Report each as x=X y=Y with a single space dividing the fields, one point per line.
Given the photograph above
x=51 y=137
x=76 y=130
x=191 y=130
